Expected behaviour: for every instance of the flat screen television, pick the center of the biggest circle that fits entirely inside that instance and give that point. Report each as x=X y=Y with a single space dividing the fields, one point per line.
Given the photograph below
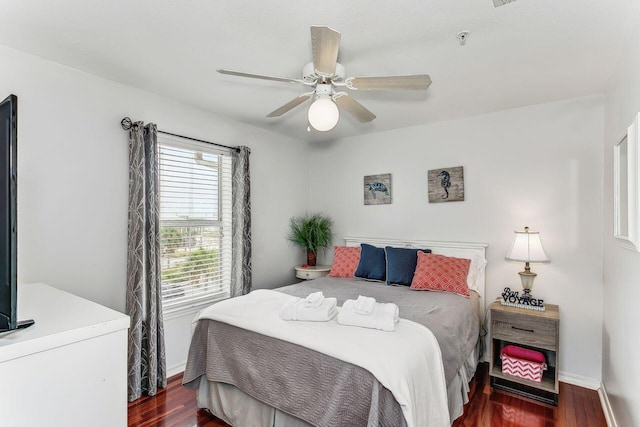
x=8 y=216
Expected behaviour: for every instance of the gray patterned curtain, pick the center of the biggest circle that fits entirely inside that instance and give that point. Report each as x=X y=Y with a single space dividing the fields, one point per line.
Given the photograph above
x=241 y=223
x=147 y=365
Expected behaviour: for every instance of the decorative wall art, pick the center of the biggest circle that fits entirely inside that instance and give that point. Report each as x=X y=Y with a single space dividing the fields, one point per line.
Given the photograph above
x=446 y=185
x=377 y=189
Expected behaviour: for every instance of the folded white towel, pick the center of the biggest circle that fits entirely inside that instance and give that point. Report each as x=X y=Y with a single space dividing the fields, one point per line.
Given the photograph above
x=294 y=309
x=365 y=305
x=384 y=316
x=314 y=299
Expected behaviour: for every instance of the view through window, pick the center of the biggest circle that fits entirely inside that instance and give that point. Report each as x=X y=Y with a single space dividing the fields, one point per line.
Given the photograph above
x=195 y=223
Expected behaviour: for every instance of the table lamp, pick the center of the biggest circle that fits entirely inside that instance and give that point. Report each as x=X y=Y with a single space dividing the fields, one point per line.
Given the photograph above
x=527 y=247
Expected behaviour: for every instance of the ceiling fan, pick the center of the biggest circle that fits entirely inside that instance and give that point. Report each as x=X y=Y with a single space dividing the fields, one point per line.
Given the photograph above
x=325 y=76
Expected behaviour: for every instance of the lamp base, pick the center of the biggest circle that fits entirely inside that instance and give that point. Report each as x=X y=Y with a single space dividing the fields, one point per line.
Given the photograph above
x=526 y=277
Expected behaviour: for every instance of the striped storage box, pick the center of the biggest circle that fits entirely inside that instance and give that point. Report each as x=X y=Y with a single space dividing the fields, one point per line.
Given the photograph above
x=523 y=363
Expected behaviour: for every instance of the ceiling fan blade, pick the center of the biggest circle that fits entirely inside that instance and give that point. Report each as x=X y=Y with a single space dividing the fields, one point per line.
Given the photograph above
x=325 y=43
x=353 y=107
x=411 y=82
x=290 y=105
x=258 y=76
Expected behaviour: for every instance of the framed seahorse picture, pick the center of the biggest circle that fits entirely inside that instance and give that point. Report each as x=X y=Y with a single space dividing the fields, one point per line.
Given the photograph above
x=377 y=189
x=446 y=185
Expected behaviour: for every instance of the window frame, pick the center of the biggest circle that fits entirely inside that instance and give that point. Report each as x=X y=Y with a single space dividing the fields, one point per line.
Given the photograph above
x=196 y=304
x=626 y=188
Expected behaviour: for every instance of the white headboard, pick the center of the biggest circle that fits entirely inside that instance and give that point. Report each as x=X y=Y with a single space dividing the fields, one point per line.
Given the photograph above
x=455 y=249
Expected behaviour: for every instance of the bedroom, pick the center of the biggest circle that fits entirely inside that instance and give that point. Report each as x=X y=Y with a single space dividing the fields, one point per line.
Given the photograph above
x=535 y=152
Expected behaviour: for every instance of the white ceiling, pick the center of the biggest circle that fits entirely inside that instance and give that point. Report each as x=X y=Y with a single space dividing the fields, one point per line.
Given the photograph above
x=525 y=52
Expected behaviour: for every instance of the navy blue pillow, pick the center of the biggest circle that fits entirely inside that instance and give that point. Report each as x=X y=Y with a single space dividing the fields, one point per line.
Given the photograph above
x=372 y=263
x=401 y=264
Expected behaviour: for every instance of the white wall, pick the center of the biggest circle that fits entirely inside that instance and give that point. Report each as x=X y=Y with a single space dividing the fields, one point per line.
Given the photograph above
x=539 y=166
x=73 y=177
x=620 y=331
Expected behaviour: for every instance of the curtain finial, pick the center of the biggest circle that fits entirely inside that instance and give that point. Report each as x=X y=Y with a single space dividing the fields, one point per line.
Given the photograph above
x=126 y=123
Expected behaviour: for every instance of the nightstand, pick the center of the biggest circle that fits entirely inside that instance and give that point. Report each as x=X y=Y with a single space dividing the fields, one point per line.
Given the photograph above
x=308 y=273
x=535 y=330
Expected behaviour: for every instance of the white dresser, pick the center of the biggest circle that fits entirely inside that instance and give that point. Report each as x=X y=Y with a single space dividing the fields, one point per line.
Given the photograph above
x=68 y=369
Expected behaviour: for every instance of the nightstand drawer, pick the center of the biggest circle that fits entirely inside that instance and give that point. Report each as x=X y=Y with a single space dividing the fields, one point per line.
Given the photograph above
x=307 y=275
x=524 y=329
x=315 y=272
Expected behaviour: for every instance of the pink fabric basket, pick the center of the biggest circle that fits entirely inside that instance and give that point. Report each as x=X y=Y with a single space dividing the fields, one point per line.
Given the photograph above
x=523 y=363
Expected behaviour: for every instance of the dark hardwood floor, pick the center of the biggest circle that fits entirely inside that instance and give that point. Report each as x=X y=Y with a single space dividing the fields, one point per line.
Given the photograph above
x=175 y=406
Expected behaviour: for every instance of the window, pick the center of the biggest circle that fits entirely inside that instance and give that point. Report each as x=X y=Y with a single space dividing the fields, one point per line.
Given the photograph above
x=195 y=223
x=626 y=188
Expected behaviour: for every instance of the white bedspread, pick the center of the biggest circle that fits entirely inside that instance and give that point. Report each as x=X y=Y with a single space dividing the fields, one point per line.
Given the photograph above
x=407 y=361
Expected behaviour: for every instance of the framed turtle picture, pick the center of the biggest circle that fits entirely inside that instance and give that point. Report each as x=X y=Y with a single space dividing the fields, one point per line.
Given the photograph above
x=377 y=189
x=446 y=185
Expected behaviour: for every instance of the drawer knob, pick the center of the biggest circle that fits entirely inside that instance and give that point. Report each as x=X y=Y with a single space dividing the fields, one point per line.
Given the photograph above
x=522 y=329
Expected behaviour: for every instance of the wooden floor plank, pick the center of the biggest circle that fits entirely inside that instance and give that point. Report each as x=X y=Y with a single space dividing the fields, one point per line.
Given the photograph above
x=595 y=402
x=175 y=406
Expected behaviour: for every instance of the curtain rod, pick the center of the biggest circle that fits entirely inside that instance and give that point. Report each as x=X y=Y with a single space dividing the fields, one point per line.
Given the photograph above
x=127 y=124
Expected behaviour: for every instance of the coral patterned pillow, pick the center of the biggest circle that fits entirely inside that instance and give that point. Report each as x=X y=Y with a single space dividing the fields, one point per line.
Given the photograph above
x=441 y=273
x=345 y=261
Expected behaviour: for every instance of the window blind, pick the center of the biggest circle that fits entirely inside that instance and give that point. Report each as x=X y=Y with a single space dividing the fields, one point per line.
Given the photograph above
x=195 y=223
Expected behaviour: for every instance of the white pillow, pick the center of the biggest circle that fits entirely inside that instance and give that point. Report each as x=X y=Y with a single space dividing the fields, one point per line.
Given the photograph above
x=476 y=268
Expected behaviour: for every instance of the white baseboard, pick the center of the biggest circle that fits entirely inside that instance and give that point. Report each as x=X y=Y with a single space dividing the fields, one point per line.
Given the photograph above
x=176 y=369
x=606 y=407
x=579 y=380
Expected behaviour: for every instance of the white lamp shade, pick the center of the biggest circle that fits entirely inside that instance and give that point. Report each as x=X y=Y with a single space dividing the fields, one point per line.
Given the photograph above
x=527 y=247
x=323 y=114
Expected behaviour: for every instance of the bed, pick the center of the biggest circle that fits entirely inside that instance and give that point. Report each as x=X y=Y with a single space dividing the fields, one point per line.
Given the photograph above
x=259 y=375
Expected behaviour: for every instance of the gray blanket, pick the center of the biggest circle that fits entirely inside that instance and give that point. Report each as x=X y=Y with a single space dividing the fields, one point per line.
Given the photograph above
x=315 y=387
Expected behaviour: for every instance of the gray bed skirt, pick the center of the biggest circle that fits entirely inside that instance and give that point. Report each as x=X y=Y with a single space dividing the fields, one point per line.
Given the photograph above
x=237 y=408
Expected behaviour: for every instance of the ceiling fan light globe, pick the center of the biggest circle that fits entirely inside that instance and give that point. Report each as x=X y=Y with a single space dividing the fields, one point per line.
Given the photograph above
x=323 y=114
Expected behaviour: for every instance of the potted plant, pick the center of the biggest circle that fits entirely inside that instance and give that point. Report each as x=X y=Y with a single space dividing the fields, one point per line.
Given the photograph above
x=312 y=233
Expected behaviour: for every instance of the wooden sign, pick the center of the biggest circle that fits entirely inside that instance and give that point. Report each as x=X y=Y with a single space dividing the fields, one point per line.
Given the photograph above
x=446 y=185
x=377 y=189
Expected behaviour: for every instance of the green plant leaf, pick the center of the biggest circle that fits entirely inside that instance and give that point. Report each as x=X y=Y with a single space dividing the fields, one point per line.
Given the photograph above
x=311 y=232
